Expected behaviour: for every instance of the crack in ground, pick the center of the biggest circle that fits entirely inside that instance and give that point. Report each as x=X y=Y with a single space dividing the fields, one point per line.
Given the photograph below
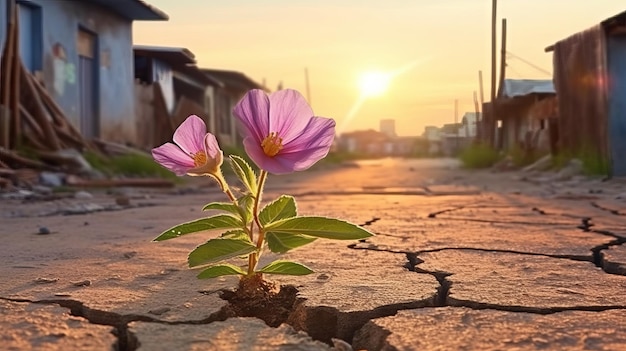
x=443 y=291
x=599 y=261
x=126 y=340
x=373 y=247
x=469 y=219
x=610 y=210
x=435 y=214
x=452 y=302
x=370 y=222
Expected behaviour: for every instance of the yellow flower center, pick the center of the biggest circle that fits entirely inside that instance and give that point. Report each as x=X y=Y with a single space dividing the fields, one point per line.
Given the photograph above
x=199 y=158
x=272 y=144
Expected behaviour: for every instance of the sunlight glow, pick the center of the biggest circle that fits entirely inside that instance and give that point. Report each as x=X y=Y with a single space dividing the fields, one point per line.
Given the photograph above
x=374 y=84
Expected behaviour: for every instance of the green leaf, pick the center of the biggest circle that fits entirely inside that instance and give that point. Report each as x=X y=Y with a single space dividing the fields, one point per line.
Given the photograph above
x=281 y=208
x=222 y=221
x=220 y=270
x=246 y=207
x=319 y=227
x=222 y=206
x=238 y=234
x=286 y=267
x=244 y=172
x=216 y=250
x=282 y=242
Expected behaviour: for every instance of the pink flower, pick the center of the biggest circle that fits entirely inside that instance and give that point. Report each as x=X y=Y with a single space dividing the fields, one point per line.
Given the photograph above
x=195 y=151
x=280 y=133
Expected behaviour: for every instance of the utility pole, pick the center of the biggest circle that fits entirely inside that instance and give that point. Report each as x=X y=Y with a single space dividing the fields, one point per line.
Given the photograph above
x=492 y=118
x=503 y=55
x=456 y=121
x=308 y=89
x=477 y=110
x=482 y=130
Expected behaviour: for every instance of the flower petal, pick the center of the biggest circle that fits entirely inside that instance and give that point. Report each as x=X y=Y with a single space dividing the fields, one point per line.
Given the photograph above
x=173 y=158
x=190 y=134
x=252 y=111
x=303 y=159
x=289 y=114
x=211 y=147
x=319 y=132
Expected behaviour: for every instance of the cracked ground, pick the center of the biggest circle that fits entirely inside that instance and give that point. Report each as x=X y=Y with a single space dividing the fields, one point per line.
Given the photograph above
x=461 y=260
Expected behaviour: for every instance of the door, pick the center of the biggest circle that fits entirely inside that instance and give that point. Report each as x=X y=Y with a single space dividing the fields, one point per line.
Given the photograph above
x=617 y=103
x=88 y=80
x=30 y=35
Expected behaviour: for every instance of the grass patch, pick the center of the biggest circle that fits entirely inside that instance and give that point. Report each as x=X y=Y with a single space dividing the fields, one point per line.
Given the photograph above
x=593 y=163
x=479 y=156
x=130 y=165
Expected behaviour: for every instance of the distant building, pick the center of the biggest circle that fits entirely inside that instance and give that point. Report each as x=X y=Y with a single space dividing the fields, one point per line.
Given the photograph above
x=388 y=127
x=432 y=133
x=378 y=144
x=469 y=125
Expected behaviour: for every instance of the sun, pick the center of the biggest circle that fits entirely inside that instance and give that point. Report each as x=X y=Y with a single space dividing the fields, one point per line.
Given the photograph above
x=374 y=84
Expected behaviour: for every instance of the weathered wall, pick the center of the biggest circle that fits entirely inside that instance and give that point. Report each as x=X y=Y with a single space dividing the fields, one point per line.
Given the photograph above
x=580 y=81
x=114 y=87
x=3 y=22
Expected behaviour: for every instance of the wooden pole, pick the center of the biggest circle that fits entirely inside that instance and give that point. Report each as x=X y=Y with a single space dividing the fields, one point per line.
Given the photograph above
x=39 y=112
x=14 y=104
x=492 y=119
x=482 y=130
x=477 y=110
x=502 y=73
x=7 y=72
x=503 y=56
x=456 y=122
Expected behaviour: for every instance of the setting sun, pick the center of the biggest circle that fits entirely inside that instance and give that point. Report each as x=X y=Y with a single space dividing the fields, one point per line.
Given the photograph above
x=374 y=84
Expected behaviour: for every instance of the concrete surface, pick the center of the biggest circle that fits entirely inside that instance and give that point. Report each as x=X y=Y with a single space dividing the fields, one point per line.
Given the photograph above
x=468 y=260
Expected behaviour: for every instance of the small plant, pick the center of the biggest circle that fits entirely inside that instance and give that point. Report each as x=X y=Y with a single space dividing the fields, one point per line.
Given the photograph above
x=479 y=155
x=280 y=136
x=127 y=165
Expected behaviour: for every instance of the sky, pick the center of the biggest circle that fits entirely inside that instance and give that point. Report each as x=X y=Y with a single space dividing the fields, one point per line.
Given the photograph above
x=435 y=49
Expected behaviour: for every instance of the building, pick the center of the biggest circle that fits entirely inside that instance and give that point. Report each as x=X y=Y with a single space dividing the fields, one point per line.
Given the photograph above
x=82 y=53
x=169 y=87
x=388 y=127
x=234 y=87
x=524 y=111
x=469 y=125
x=590 y=81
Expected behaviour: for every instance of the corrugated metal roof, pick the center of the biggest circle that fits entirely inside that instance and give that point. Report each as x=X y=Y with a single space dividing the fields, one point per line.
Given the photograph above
x=180 y=59
x=522 y=87
x=236 y=80
x=132 y=9
x=171 y=55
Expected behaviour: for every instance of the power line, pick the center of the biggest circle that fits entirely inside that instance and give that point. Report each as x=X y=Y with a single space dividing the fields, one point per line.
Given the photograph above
x=544 y=71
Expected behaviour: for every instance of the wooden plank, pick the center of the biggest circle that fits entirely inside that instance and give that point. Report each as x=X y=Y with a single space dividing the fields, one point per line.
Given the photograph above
x=39 y=111
x=14 y=104
x=7 y=72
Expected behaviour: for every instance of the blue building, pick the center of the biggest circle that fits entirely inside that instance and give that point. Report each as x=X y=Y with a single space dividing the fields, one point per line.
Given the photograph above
x=82 y=51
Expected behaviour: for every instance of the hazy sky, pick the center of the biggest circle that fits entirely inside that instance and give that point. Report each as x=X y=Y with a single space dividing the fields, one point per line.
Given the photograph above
x=447 y=41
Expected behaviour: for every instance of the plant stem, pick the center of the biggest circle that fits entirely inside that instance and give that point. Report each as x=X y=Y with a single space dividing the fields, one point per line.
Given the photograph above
x=254 y=257
x=224 y=186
